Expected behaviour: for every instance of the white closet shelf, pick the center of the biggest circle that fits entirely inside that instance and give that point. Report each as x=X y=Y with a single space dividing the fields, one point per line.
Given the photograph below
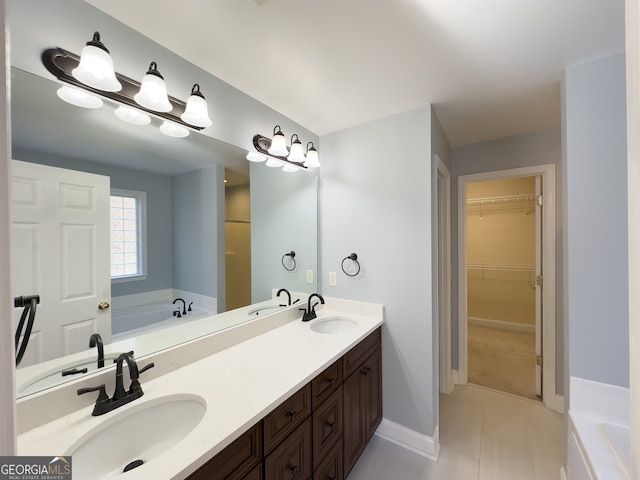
x=529 y=197
x=498 y=267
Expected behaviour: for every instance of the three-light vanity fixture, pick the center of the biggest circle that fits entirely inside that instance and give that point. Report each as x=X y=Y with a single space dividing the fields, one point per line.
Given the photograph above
x=276 y=153
x=91 y=76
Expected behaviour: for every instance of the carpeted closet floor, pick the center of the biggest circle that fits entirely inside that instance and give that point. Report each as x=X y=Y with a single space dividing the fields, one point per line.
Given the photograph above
x=502 y=359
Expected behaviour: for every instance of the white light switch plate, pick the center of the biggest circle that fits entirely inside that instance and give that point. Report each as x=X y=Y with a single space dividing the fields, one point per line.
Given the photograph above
x=332 y=279
x=309 y=276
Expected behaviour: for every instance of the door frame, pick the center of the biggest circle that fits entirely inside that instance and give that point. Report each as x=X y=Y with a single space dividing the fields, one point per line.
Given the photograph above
x=443 y=192
x=547 y=172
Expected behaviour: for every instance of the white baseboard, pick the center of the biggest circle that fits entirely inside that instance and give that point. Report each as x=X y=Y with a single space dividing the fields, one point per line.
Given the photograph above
x=560 y=403
x=410 y=439
x=563 y=474
x=488 y=322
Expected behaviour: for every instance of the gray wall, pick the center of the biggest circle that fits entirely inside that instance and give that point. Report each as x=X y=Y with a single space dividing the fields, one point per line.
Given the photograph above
x=439 y=142
x=595 y=205
x=537 y=148
x=159 y=216
x=375 y=200
x=284 y=217
x=198 y=233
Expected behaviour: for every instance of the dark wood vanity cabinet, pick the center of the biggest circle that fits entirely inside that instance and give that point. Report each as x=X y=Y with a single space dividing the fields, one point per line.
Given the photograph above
x=316 y=434
x=239 y=461
x=362 y=397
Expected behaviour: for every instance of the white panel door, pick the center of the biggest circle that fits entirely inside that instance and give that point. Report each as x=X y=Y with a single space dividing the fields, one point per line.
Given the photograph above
x=60 y=251
x=539 y=273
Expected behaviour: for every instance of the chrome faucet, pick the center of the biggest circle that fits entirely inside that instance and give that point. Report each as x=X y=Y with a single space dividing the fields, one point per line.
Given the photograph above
x=288 y=296
x=104 y=404
x=96 y=340
x=310 y=311
x=184 y=305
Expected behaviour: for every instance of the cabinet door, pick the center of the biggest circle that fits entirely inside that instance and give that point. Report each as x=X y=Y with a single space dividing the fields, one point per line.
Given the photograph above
x=331 y=466
x=353 y=434
x=291 y=460
x=327 y=426
x=234 y=461
x=372 y=393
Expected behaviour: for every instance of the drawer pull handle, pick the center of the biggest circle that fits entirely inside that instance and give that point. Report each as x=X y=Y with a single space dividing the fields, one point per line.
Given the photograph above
x=293 y=416
x=332 y=381
x=294 y=470
x=332 y=477
x=332 y=425
x=366 y=371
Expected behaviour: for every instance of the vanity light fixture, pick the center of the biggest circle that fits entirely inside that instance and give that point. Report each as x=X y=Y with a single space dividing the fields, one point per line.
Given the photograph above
x=64 y=64
x=297 y=152
x=255 y=157
x=132 y=115
x=153 y=91
x=174 y=130
x=278 y=146
x=263 y=146
x=78 y=97
x=95 y=68
x=312 y=160
x=196 y=112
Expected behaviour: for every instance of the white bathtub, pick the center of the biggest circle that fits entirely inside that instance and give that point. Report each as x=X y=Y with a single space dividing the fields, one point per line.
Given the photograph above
x=125 y=321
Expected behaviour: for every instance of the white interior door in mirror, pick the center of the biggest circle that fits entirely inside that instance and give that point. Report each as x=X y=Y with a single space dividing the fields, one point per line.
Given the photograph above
x=60 y=251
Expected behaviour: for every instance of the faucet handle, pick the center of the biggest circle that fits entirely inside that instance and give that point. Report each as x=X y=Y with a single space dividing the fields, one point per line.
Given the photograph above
x=146 y=367
x=102 y=396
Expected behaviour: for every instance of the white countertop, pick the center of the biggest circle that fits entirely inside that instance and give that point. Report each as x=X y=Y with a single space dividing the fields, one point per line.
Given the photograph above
x=240 y=385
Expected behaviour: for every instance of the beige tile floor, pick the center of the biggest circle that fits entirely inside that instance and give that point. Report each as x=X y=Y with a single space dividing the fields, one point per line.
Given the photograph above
x=484 y=435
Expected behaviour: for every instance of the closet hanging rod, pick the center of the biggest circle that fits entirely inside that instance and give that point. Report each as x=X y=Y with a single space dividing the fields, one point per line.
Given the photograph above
x=501 y=199
x=515 y=268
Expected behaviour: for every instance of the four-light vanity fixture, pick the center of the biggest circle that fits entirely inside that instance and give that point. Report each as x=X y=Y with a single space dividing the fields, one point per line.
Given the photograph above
x=91 y=76
x=276 y=153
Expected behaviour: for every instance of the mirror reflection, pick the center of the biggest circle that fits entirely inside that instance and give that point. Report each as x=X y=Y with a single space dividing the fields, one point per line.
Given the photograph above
x=212 y=230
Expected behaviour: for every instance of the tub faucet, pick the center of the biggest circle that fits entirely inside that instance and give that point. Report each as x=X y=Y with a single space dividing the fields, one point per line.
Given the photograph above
x=184 y=305
x=96 y=340
x=310 y=311
x=288 y=296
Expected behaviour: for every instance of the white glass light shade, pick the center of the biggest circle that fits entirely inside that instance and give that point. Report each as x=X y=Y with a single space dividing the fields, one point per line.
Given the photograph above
x=174 y=130
x=312 y=160
x=290 y=168
x=153 y=92
x=131 y=115
x=196 y=113
x=255 y=157
x=278 y=146
x=273 y=163
x=297 y=152
x=96 y=67
x=78 y=97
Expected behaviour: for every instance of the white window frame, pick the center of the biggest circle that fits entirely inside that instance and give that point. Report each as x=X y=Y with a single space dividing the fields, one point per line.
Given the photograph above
x=141 y=203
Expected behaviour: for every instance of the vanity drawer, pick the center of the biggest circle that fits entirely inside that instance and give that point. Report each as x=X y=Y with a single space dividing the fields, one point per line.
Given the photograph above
x=284 y=419
x=326 y=383
x=358 y=354
x=330 y=467
x=327 y=426
x=291 y=460
x=255 y=474
x=236 y=460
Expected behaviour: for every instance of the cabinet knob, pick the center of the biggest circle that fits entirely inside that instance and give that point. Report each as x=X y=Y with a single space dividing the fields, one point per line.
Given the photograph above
x=332 y=381
x=294 y=470
x=293 y=416
x=332 y=426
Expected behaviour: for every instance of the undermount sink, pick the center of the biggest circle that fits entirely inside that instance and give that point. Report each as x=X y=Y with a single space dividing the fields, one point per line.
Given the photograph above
x=255 y=312
x=54 y=377
x=136 y=436
x=333 y=325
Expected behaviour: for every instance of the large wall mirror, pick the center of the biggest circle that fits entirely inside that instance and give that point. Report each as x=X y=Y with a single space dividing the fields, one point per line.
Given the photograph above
x=217 y=229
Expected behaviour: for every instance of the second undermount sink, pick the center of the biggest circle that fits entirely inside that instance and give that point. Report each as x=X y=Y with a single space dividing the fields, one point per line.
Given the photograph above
x=136 y=436
x=333 y=325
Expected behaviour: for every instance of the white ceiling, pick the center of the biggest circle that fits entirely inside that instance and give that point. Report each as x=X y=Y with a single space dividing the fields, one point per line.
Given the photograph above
x=492 y=68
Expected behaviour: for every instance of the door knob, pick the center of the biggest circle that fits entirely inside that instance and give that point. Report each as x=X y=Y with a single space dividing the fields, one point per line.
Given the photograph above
x=103 y=305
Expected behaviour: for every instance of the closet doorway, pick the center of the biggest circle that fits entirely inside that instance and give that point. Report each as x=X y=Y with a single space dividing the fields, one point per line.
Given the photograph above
x=506 y=272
